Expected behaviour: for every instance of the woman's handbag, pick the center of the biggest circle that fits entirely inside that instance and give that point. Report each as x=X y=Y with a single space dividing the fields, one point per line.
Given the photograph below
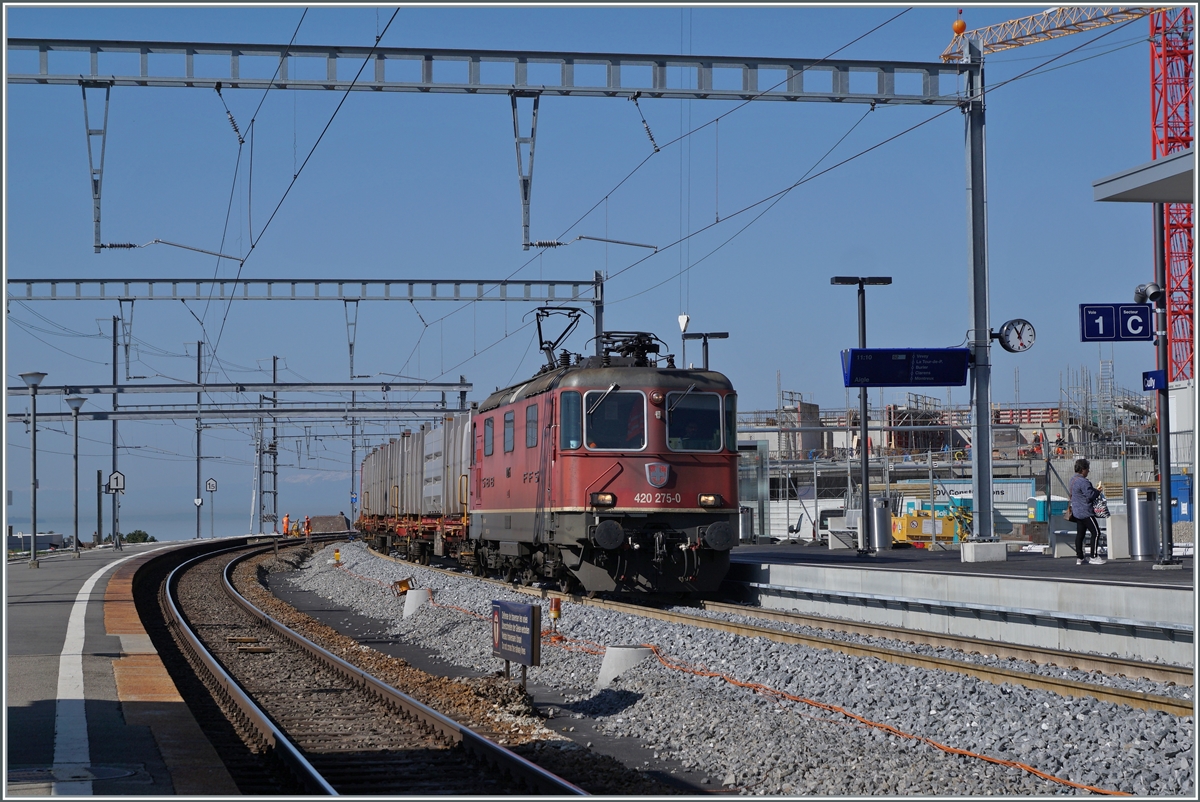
x=1067 y=516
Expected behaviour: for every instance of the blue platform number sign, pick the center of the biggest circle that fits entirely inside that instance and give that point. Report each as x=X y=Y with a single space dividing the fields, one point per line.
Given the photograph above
x=517 y=632
x=1154 y=380
x=1116 y=322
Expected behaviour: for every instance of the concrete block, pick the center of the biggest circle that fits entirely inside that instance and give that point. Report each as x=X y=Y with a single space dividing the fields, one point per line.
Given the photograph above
x=1118 y=536
x=984 y=552
x=414 y=599
x=618 y=660
x=843 y=539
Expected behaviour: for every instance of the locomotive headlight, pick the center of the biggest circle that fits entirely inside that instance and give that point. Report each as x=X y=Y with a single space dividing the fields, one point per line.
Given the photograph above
x=604 y=499
x=656 y=398
x=710 y=500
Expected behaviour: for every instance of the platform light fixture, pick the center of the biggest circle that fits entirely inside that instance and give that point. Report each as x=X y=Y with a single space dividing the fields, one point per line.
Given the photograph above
x=75 y=402
x=861 y=280
x=1154 y=292
x=1145 y=292
x=864 y=528
x=32 y=380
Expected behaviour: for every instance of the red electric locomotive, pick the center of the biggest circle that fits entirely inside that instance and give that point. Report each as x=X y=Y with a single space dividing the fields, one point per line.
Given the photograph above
x=610 y=472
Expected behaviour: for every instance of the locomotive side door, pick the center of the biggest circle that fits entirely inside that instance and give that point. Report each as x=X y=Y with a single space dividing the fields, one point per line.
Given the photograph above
x=550 y=445
x=476 y=464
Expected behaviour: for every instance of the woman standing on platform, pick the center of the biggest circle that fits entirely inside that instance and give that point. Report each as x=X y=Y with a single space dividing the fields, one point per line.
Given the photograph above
x=1083 y=500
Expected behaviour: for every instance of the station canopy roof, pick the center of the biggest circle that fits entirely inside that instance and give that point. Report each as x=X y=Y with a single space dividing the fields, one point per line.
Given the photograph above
x=1166 y=180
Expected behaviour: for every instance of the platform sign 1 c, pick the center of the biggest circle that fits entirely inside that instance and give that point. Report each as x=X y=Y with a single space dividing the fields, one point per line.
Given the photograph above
x=1116 y=322
x=517 y=632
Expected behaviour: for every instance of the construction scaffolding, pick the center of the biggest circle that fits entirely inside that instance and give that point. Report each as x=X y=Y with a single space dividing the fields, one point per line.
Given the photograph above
x=918 y=410
x=1096 y=414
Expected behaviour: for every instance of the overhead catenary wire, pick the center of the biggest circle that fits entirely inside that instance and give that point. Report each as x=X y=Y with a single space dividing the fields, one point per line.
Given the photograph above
x=255 y=240
x=21 y=325
x=736 y=108
x=756 y=217
x=682 y=238
x=763 y=212
x=214 y=345
x=1030 y=72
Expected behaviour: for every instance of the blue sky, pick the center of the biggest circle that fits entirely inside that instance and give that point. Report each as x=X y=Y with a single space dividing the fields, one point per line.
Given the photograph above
x=424 y=186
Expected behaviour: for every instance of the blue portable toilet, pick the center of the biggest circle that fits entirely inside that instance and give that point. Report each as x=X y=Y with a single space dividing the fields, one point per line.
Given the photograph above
x=1182 y=506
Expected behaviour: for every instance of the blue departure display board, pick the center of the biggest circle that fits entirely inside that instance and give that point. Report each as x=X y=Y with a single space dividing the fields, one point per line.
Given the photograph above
x=905 y=367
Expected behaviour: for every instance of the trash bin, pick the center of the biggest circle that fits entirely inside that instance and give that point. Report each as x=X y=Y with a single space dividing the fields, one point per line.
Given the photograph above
x=1142 y=509
x=881 y=525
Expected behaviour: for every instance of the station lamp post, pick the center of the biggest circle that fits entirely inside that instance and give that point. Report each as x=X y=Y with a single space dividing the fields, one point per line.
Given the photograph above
x=706 y=336
x=75 y=402
x=864 y=528
x=1155 y=293
x=32 y=380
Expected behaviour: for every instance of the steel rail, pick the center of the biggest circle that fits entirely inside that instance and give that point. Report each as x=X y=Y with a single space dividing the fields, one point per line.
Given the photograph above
x=254 y=714
x=1065 y=687
x=1059 y=685
x=473 y=743
x=1180 y=675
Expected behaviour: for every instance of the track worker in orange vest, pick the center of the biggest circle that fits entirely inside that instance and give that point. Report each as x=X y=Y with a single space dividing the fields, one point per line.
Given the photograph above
x=286 y=518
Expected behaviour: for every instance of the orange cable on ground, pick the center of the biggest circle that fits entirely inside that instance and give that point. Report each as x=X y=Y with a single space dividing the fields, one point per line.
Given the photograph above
x=590 y=647
x=471 y=613
x=680 y=665
x=568 y=643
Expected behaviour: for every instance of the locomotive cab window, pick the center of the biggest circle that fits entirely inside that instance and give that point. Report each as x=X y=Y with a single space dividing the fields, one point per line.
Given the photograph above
x=693 y=421
x=489 y=437
x=531 y=432
x=509 y=418
x=731 y=422
x=615 y=421
x=570 y=421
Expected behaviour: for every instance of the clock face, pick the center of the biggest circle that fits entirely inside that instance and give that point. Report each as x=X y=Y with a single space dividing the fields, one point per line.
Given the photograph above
x=1017 y=335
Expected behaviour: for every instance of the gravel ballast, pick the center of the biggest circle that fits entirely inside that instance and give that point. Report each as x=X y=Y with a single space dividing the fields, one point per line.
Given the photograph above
x=761 y=744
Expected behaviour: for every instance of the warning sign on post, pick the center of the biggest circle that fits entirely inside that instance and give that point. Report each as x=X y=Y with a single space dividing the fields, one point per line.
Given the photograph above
x=517 y=632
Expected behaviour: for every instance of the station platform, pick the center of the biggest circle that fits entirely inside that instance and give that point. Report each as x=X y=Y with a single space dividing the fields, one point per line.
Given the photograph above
x=1124 y=607
x=89 y=707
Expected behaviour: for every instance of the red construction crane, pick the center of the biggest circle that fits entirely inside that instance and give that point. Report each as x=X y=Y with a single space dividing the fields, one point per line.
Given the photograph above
x=1171 y=82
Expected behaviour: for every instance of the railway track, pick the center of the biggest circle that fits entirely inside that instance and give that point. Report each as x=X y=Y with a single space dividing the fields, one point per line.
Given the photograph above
x=1179 y=675
x=337 y=729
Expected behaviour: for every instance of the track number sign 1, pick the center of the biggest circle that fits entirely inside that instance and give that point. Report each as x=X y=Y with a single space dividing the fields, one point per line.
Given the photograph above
x=1115 y=323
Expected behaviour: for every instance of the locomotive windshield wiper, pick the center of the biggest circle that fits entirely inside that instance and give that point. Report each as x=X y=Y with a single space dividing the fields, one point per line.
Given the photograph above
x=600 y=400
x=691 y=387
